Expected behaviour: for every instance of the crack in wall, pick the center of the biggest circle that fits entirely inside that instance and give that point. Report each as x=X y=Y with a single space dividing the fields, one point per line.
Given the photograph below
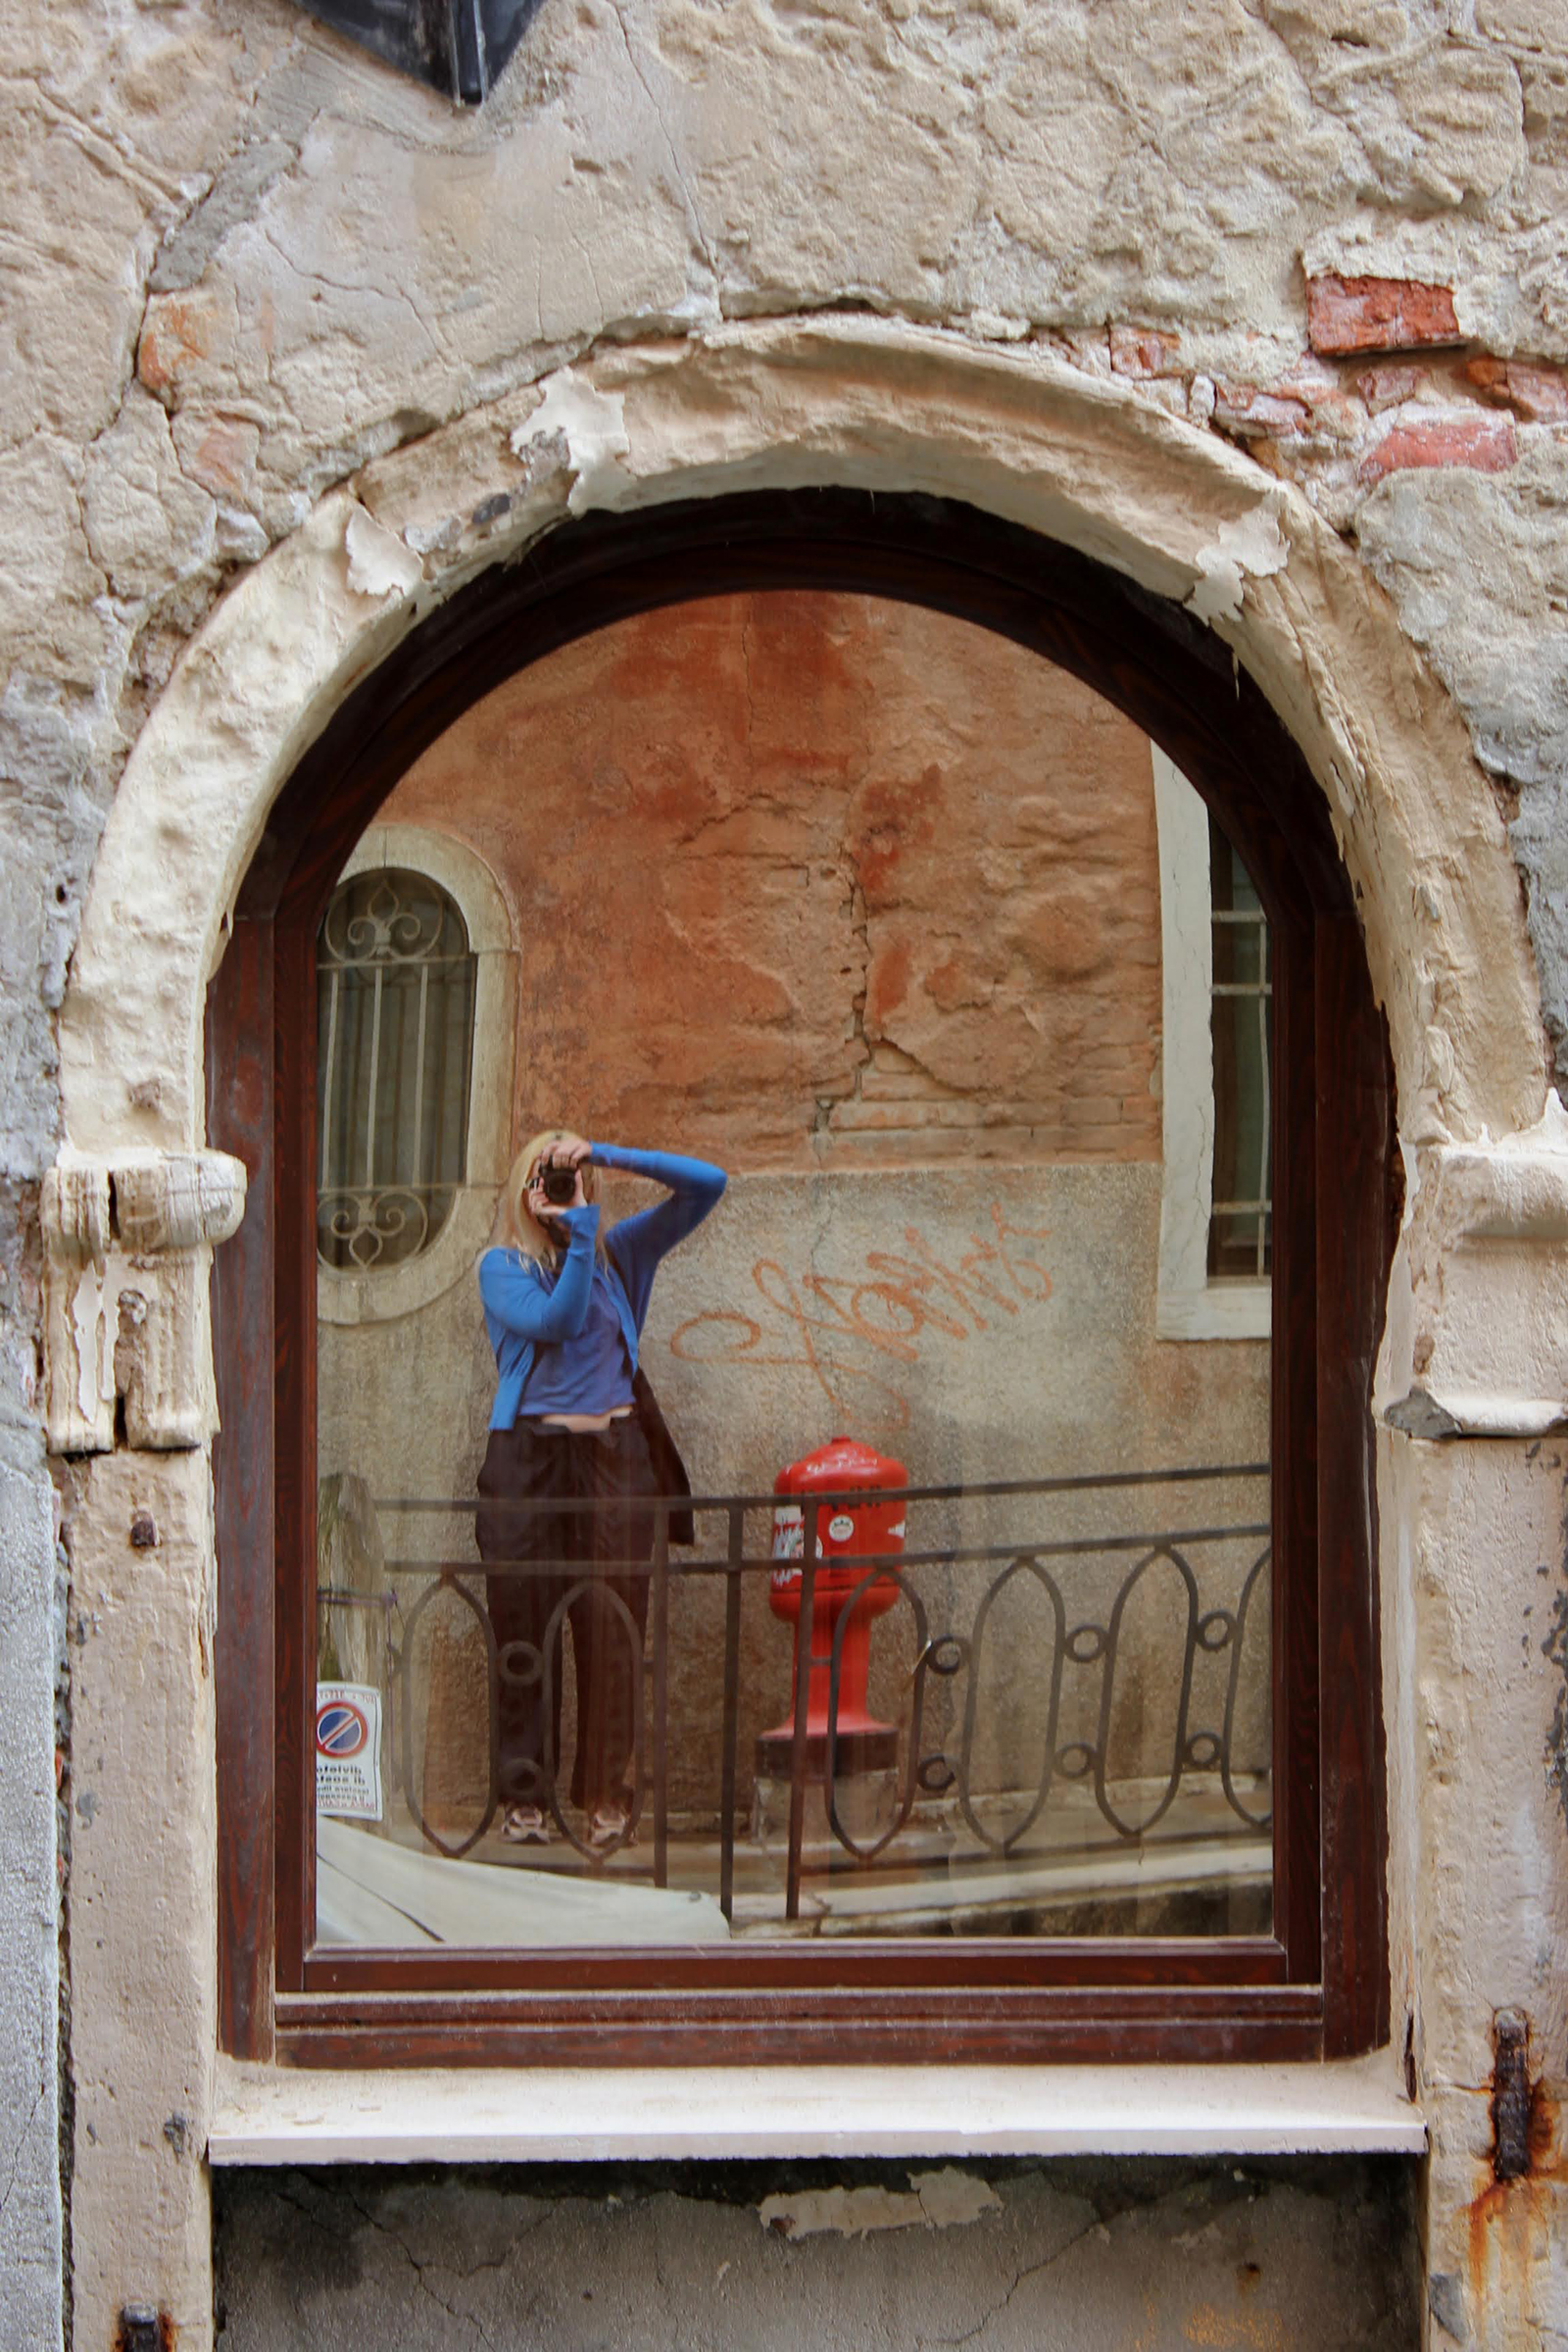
x=394 y=2237
x=698 y=235
x=1020 y=2278
x=19 y=2150
x=118 y=157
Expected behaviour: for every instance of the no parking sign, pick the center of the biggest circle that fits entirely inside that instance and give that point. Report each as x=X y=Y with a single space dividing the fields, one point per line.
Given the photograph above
x=347 y=1750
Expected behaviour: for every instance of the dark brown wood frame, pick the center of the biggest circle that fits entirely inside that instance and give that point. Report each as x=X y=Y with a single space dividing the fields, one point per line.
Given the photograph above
x=1318 y=1986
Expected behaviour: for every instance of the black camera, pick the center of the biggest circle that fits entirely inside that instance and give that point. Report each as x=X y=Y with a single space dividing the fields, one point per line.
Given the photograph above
x=559 y=1186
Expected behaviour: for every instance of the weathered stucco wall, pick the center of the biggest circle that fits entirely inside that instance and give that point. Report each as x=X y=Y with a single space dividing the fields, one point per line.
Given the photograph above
x=922 y=2256
x=819 y=882
x=1293 y=274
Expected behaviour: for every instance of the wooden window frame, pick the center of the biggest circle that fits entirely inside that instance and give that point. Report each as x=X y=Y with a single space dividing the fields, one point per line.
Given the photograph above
x=1317 y=1986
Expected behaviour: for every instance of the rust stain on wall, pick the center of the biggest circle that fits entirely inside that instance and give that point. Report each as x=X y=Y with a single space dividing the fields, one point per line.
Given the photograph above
x=1516 y=2220
x=1236 y=2331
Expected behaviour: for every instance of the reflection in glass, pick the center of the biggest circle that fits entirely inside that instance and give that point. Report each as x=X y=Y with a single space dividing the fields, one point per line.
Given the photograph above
x=974 y=1633
x=1240 y=1236
x=394 y=986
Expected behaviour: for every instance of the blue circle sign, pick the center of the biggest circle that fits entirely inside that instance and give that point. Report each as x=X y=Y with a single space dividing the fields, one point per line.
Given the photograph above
x=341 y=1729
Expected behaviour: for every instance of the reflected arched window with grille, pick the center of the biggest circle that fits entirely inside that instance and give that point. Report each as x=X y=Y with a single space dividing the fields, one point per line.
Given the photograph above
x=395 y=1003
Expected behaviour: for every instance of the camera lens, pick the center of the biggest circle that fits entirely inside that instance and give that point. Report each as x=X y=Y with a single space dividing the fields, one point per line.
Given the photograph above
x=559 y=1186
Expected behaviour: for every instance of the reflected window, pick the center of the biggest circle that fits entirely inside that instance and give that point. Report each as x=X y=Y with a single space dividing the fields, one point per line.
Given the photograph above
x=1242 y=1021
x=395 y=1004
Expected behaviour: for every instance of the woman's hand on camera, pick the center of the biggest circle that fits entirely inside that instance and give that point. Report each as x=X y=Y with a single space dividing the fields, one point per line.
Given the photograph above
x=569 y=1159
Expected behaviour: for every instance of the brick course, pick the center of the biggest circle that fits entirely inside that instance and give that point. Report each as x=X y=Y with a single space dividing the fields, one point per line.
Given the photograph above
x=1487 y=444
x=1349 y=314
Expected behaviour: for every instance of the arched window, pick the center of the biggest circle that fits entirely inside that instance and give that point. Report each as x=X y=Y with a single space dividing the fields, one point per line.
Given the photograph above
x=395 y=1004
x=950 y=987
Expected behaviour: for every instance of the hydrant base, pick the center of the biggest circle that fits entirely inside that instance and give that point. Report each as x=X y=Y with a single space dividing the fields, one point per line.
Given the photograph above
x=872 y=1750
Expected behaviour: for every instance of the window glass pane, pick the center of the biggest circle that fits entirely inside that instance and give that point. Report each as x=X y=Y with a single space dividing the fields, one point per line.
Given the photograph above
x=860 y=905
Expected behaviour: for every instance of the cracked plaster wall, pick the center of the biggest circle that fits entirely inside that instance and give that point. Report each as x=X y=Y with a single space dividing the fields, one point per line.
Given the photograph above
x=1067 y=2255
x=244 y=261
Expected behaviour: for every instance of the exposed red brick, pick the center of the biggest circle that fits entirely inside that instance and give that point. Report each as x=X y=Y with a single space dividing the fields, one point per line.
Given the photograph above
x=1244 y=409
x=1540 y=395
x=1386 y=387
x=1345 y=315
x=1142 y=351
x=1487 y=444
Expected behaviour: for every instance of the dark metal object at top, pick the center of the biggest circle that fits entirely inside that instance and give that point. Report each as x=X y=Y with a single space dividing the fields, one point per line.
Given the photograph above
x=459 y=47
x=1510 y=2096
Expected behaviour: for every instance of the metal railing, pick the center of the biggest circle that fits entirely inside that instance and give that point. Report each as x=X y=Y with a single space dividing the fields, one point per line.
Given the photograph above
x=1086 y=1643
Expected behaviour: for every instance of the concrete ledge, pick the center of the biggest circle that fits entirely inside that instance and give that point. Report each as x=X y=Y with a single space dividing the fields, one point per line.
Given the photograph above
x=567 y=2115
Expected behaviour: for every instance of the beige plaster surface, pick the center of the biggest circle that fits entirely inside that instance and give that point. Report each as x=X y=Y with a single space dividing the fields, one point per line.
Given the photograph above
x=143 y=1963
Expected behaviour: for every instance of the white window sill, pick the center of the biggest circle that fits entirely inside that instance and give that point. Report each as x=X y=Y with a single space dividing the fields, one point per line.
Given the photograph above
x=565 y=2115
x=1219 y=1310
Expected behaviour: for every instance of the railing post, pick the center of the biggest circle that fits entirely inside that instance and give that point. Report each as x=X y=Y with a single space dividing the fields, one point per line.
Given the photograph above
x=805 y=1632
x=661 y=1694
x=734 y=1554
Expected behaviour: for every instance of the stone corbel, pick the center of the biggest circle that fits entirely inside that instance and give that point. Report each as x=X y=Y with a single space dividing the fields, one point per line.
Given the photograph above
x=127 y=1250
x=1478 y=1323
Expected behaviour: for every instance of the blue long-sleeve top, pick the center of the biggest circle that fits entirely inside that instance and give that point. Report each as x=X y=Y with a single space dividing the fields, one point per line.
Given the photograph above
x=526 y=1303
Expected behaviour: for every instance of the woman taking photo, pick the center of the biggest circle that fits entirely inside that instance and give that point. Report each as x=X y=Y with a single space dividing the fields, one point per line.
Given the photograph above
x=565 y=1310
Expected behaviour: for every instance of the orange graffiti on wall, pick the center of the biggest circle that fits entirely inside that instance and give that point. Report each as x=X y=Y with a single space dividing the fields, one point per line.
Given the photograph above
x=819 y=1322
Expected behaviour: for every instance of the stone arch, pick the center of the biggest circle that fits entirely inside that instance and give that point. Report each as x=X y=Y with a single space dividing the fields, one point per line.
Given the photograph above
x=1019 y=435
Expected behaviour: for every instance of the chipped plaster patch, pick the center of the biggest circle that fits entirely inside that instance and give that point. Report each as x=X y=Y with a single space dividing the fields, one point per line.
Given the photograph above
x=941 y=2200
x=590 y=426
x=379 y=563
x=1252 y=545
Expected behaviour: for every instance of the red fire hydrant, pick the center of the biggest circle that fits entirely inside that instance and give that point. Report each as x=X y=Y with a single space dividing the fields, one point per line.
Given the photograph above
x=860 y=1743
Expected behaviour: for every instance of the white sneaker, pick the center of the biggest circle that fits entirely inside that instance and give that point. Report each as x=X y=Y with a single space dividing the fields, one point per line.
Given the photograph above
x=525 y=1825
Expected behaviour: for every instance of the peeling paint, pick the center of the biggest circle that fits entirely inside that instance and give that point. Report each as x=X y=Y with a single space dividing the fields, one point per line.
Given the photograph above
x=379 y=565
x=941 y=2200
x=1254 y=546
x=591 y=426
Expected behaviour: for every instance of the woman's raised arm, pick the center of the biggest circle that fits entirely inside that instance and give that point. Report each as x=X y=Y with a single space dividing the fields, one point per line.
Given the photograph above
x=517 y=1301
x=638 y=1242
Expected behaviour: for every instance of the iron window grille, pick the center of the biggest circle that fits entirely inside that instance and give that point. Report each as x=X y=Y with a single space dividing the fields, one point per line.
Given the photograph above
x=395 y=1002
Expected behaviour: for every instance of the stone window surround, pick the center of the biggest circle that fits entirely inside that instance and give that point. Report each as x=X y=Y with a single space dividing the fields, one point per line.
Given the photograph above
x=889 y=407
x=382 y=1296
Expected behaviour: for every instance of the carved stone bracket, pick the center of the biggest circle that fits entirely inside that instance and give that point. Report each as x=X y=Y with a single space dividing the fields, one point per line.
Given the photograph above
x=1478 y=1322
x=127 y=1250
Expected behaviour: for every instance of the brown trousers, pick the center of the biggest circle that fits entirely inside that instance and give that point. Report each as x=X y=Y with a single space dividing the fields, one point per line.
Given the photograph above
x=548 y=1566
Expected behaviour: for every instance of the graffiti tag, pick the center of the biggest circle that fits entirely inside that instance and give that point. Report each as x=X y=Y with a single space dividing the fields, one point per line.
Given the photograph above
x=831 y=1325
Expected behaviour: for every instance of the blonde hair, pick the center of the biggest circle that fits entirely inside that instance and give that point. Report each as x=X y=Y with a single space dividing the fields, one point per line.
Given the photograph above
x=523 y=1229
